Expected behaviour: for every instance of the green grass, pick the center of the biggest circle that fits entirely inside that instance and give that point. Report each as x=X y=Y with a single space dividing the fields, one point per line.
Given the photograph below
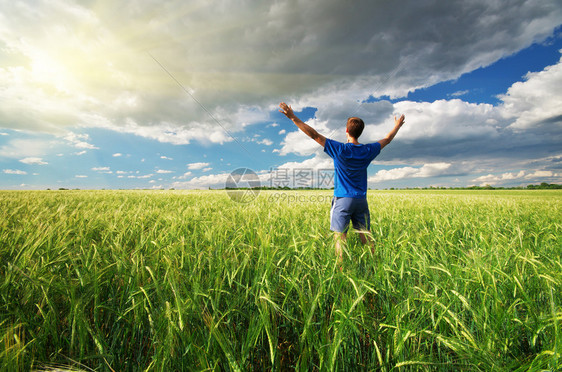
x=176 y=280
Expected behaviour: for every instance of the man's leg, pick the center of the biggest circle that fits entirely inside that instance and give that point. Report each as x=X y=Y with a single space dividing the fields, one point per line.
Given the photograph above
x=339 y=221
x=340 y=238
x=367 y=239
x=361 y=220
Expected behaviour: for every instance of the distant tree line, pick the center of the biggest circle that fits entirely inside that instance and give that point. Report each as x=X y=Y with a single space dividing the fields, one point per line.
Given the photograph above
x=542 y=186
x=545 y=185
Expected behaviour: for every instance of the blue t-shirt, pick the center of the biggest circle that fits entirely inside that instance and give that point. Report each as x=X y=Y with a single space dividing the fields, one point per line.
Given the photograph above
x=350 y=163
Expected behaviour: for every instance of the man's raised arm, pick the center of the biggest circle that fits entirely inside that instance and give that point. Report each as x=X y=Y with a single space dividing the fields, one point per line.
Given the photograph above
x=390 y=136
x=307 y=129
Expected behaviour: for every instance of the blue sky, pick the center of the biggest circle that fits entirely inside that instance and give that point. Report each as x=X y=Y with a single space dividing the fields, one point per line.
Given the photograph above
x=84 y=105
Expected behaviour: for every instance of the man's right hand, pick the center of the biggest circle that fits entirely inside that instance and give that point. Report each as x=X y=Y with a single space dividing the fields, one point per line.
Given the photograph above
x=307 y=129
x=286 y=110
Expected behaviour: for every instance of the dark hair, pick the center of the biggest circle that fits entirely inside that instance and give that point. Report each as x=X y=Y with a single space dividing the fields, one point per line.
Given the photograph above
x=355 y=127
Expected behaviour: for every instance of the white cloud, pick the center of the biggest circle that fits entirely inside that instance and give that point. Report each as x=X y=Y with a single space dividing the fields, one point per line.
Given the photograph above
x=172 y=132
x=164 y=171
x=427 y=170
x=166 y=158
x=33 y=161
x=14 y=171
x=233 y=69
x=523 y=175
x=282 y=131
x=207 y=169
x=266 y=142
x=393 y=174
x=537 y=100
x=3 y=134
x=541 y=174
x=79 y=141
x=22 y=148
x=79 y=153
x=459 y=93
x=117 y=154
x=492 y=179
x=81 y=176
x=199 y=165
x=203 y=182
x=452 y=120
x=105 y=170
x=317 y=162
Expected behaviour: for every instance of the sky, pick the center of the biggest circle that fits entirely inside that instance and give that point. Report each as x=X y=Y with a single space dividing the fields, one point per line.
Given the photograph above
x=179 y=94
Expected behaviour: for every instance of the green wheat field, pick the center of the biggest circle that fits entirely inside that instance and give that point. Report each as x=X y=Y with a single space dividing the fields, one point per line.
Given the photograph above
x=193 y=281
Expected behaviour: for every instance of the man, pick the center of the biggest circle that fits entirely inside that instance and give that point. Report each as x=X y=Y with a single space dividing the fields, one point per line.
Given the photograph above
x=351 y=160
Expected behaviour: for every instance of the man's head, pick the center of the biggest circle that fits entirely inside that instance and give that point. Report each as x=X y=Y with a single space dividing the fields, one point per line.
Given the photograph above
x=354 y=127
